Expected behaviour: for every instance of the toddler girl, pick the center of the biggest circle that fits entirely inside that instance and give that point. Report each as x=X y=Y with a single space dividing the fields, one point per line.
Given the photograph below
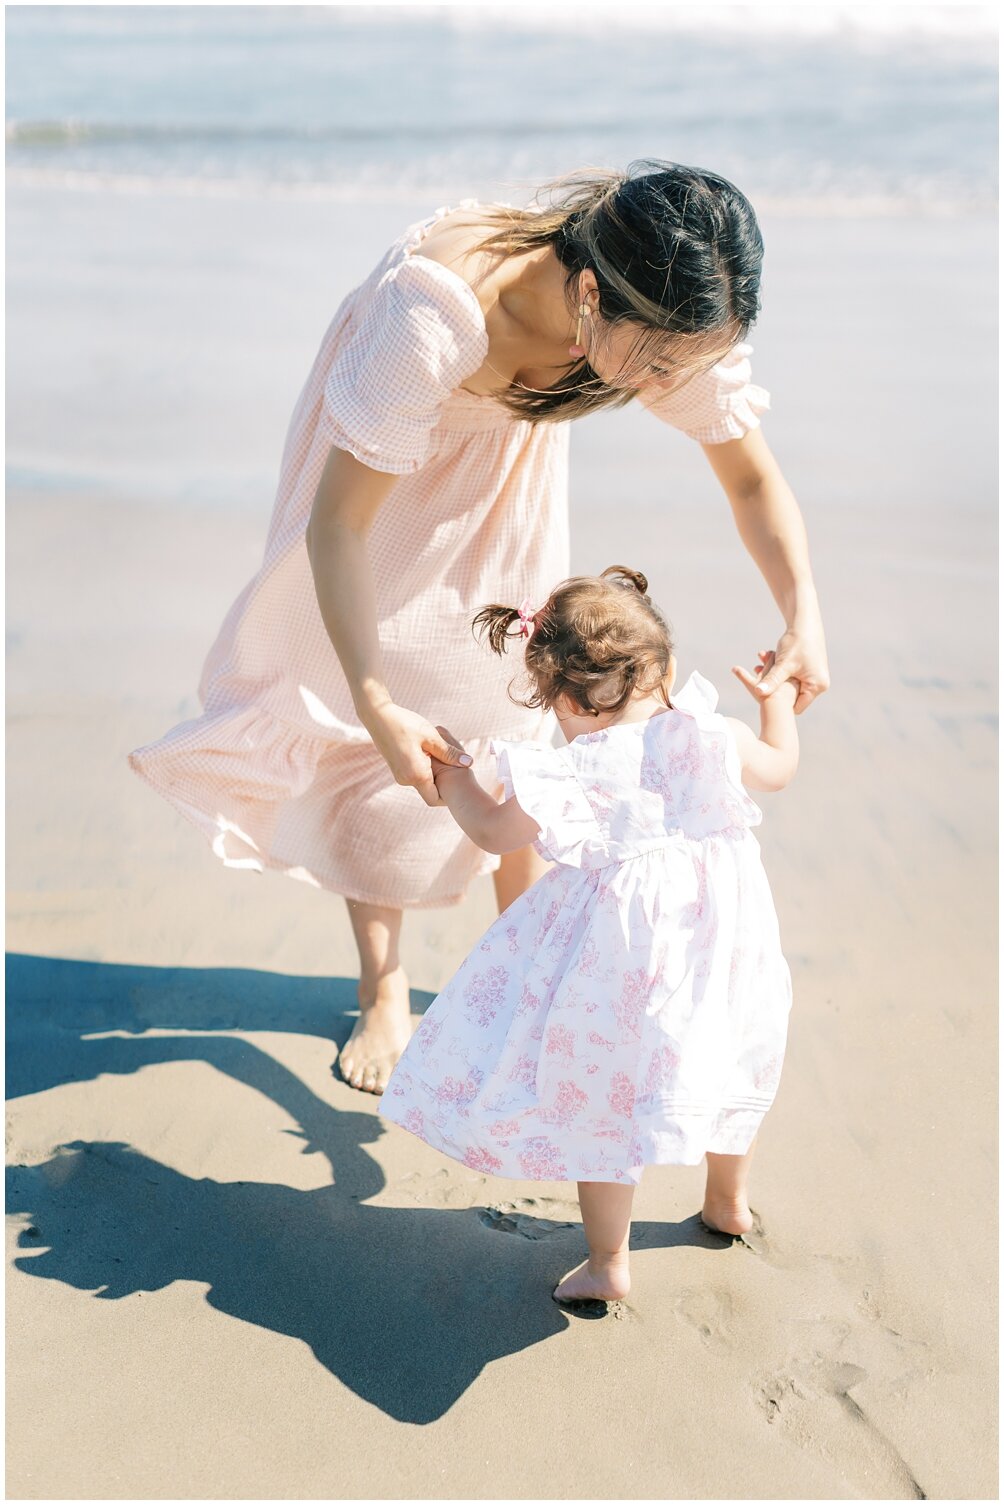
x=630 y=1008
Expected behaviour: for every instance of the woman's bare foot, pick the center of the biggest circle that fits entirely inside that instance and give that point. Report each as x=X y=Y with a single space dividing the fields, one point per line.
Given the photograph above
x=599 y=1280
x=379 y=1035
x=727 y=1214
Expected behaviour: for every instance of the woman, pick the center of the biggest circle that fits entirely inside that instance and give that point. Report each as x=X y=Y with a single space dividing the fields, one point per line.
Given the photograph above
x=425 y=473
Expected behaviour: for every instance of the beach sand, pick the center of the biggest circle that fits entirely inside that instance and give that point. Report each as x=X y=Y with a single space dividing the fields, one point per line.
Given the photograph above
x=226 y=1278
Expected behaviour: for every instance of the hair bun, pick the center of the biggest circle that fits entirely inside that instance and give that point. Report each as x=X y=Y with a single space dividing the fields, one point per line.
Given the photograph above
x=625 y=577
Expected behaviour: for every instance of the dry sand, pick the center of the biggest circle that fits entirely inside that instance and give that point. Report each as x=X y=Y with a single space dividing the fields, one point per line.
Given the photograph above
x=227 y=1278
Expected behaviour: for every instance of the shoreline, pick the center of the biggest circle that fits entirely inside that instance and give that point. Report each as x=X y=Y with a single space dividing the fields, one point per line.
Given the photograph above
x=251 y=190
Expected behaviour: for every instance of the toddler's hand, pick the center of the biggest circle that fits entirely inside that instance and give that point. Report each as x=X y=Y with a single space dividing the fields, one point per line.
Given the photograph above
x=788 y=691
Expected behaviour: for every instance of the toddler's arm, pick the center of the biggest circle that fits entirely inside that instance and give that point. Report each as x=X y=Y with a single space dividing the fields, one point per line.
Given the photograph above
x=491 y=826
x=770 y=760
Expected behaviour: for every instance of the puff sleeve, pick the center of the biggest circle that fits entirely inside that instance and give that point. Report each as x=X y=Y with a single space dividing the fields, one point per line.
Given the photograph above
x=716 y=405
x=420 y=334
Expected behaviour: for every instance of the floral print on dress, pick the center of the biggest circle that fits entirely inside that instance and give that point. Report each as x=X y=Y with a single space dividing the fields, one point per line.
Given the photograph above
x=481 y=1160
x=485 y=994
x=595 y=1038
x=541 y=1160
x=631 y=1008
x=428 y=1033
x=529 y=1003
x=560 y=1041
x=568 y=1102
x=662 y=1067
x=631 y=1001
x=459 y=1092
x=591 y=962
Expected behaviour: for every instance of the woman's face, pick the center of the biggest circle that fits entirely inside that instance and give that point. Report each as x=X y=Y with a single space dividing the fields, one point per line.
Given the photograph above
x=622 y=355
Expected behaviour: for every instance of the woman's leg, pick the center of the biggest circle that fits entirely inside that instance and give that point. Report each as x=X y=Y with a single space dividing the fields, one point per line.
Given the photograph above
x=519 y=870
x=725 y=1205
x=606 y=1218
x=383 y=1028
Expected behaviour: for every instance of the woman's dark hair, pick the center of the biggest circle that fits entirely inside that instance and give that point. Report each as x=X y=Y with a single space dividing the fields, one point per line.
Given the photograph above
x=597 y=639
x=676 y=252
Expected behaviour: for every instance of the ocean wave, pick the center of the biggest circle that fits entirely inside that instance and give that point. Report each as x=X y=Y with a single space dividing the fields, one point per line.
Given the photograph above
x=884 y=22
x=350 y=101
x=918 y=199
x=74 y=133
x=889 y=22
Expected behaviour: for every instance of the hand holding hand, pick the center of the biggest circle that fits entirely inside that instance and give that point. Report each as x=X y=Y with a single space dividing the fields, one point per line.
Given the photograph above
x=801 y=656
x=441 y=766
x=767 y=665
x=409 y=744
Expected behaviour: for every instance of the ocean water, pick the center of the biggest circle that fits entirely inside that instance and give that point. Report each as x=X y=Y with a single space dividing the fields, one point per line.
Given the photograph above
x=845 y=109
x=193 y=190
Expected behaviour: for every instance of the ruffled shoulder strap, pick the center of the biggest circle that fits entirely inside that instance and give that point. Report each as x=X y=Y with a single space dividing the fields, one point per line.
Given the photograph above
x=546 y=788
x=698 y=697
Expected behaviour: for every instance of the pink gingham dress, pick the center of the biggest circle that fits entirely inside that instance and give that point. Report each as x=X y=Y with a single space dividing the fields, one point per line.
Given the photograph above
x=277 y=772
x=631 y=1008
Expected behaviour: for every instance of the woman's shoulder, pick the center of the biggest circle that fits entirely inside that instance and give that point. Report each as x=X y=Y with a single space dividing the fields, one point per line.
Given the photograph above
x=410 y=304
x=452 y=235
x=413 y=334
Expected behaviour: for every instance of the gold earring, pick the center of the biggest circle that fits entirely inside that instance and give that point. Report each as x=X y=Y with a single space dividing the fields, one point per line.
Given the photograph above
x=583 y=314
x=576 y=351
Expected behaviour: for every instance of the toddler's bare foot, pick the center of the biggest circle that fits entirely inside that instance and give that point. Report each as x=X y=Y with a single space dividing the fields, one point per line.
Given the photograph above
x=599 y=1280
x=726 y=1214
x=379 y=1035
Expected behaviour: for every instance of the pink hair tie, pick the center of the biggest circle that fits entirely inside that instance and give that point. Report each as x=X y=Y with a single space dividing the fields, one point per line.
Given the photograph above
x=526 y=619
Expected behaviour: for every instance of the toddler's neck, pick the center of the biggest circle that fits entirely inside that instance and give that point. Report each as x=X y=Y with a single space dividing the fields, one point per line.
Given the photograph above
x=639 y=708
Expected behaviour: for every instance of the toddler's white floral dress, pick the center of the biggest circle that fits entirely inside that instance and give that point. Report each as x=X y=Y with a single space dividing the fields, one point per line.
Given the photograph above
x=632 y=1007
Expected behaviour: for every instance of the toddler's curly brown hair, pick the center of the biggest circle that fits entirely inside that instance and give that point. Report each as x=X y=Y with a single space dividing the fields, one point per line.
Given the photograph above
x=598 y=639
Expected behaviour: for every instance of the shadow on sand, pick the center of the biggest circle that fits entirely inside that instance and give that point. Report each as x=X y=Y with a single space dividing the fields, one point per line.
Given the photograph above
x=404 y=1305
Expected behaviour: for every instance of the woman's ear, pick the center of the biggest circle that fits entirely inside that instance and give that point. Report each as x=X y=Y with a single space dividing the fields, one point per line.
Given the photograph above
x=670 y=679
x=589 y=292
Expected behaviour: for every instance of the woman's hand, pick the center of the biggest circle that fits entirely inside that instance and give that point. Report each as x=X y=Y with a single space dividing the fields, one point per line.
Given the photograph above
x=752 y=679
x=409 y=743
x=458 y=765
x=801 y=655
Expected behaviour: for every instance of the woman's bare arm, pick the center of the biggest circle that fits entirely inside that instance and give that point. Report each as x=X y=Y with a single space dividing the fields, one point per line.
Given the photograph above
x=346 y=502
x=348 y=498
x=770 y=525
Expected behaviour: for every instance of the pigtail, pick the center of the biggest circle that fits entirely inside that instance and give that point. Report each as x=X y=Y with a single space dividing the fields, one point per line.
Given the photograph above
x=494 y=622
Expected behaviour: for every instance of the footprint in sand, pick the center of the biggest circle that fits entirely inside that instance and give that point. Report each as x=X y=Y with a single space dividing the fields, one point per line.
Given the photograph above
x=709 y=1311
x=442 y=1188
x=801 y=1397
x=591 y=1310
x=527 y=1217
x=755 y=1240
